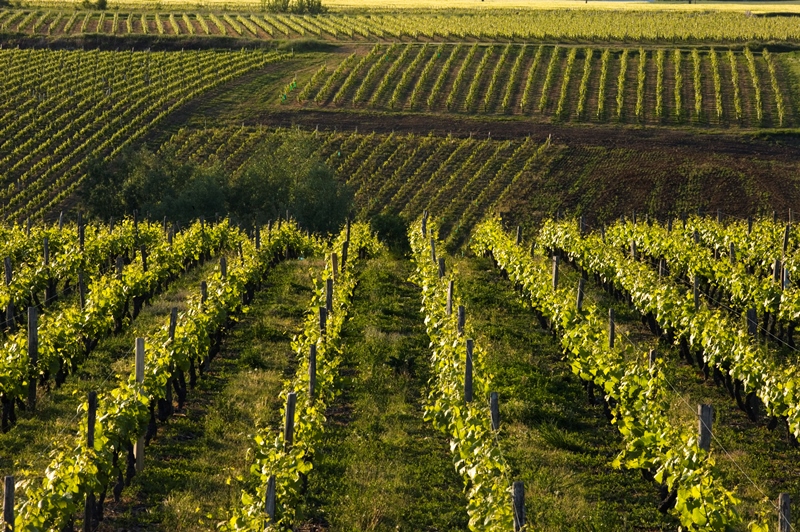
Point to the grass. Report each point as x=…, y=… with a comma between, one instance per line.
x=27, y=444
x=186, y=484
x=557, y=443
x=382, y=467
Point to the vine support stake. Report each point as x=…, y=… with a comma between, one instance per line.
x=705, y=415
x=81, y=290
x=257, y=238
x=91, y=415
x=732, y=254
x=579, y=304
x=329, y=295
x=468, y=372
x=786, y=239
x=494, y=406
x=335, y=265
x=347, y=228
x=462, y=318
x=81, y=233
x=10, y=307
x=203, y=292
x=433, y=250
x=46, y=251
x=519, y=235
x=138, y=450
x=270, y=506
x=33, y=354
x=518, y=492
x=323, y=319
x=555, y=273
x=441, y=267
x=8, y=503
x=223, y=267
x=652, y=357
x=611, y=329
x=288, y=428
x=312, y=372
x=784, y=513
x=119, y=267
x=449, y=307
x=752, y=324
x=696, y=291
x=424, y=223
x=634, y=256
x=749, y=224
x=345, y=247
x=143, y=253
x=776, y=270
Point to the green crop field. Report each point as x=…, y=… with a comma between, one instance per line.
x=366, y=266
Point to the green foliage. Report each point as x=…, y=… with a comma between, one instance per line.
x=284, y=175
x=392, y=230
x=299, y=7
x=270, y=457
x=640, y=405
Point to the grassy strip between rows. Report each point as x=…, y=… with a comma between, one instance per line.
x=272, y=490
x=636, y=393
x=79, y=471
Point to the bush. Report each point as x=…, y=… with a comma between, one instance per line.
x=285, y=174
x=392, y=230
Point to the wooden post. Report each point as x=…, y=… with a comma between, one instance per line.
x=785, y=280
x=312, y=372
x=662, y=268
x=732, y=254
x=81, y=233
x=91, y=415
x=581, y=225
x=633, y=250
x=696, y=290
x=784, y=513
x=120, y=264
x=652, y=358
x=10, y=307
x=555, y=273
x=8, y=503
x=270, y=506
x=171, y=235
x=138, y=450
x=143, y=253
x=28, y=227
x=329, y=296
x=752, y=324
x=749, y=224
x=449, y=307
x=519, y=235
x=61, y=220
x=468, y=372
x=705, y=413
x=776, y=270
x=579, y=304
x=518, y=491
x=288, y=429
x=494, y=406
x=462, y=318
x=774, y=217
x=719, y=216
x=786, y=239
x=433, y=250
x=203, y=292
x=345, y=247
x=81, y=290
x=669, y=224
x=347, y=228
x=257, y=237
x=611, y=329
x=111, y=225
x=335, y=265
x=223, y=267
x=323, y=319
x=46, y=251
x=441, y=267
x=683, y=219
x=33, y=354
